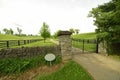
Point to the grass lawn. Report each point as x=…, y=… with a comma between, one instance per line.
x=13, y=37
x=70, y=71
x=39, y=43
x=91, y=47
x=85, y=36
x=87, y=46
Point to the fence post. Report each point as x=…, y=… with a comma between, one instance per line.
x=28, y=41
x=83, y=45
x=18, y=42
x=24, y=41
x=7, y=43
x=97, y=45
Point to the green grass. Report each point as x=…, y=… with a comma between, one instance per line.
x=35, y=44
x=8, y=37
x=85, y=36
x=13, y=37
x=71, y=71
x=91, y=47
x=87, y=46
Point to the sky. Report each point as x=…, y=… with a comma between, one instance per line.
x=29, y=15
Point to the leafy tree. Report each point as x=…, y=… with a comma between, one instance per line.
x=11, y=31
x=45, y=31
x=72, y=30
x=77, y=31
x=56, y=34
x=6, y=31
x=19, y=30
x=107, y=19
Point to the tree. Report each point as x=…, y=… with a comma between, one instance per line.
x=107, y=19
x=56, y=34
x=72, y=30
x=6, y=31
x=77, y=31
x=19, y=30
x=11, y=31
x=45, y=31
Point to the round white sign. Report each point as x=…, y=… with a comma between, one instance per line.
x=49, y=57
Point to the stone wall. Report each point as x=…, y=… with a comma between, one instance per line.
x=102, y=48
x=29, y=51
x=65, y=43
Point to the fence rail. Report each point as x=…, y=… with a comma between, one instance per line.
x=90, y=45
x=10, y=43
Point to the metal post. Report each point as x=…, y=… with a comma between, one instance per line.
x=83, y=45
x=18, y=43
x=97, y=46
x=7, y=44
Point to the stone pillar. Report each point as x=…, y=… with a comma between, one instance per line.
x=65, y=43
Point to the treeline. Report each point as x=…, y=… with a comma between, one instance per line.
x=11, y=32
x=72, y=30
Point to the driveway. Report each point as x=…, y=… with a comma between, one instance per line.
x=99, y=66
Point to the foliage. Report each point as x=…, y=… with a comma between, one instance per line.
x=17, y=65
x=77, y=31
x=71, y=71
x=107, y=20
x=72, y=30
x=8, y=31
x=56, y=34
x=45, y=31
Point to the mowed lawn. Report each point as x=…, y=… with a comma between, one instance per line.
x=34, y=44
x=70, y=71
x=85, y=36
x=39, y=43
x=13, y=37
x=87, y=46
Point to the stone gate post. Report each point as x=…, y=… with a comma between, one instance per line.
x=65, y=43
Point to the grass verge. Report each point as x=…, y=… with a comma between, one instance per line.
x=71, y=71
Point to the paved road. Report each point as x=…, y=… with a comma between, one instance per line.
x=100, y=67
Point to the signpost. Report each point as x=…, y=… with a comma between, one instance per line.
x=50, y=57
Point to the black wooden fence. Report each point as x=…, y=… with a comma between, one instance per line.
x=87, y=45
x=10, y=43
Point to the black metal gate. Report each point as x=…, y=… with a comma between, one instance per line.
x=86, y=45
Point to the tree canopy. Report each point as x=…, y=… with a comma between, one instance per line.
x=45, y=31
x=107, y=19
x=8, y=31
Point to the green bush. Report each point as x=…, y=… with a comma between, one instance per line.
x=17, y=65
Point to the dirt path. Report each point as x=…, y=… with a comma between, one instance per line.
x=100, y=67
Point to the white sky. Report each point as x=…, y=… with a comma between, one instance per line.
x=58, y=14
